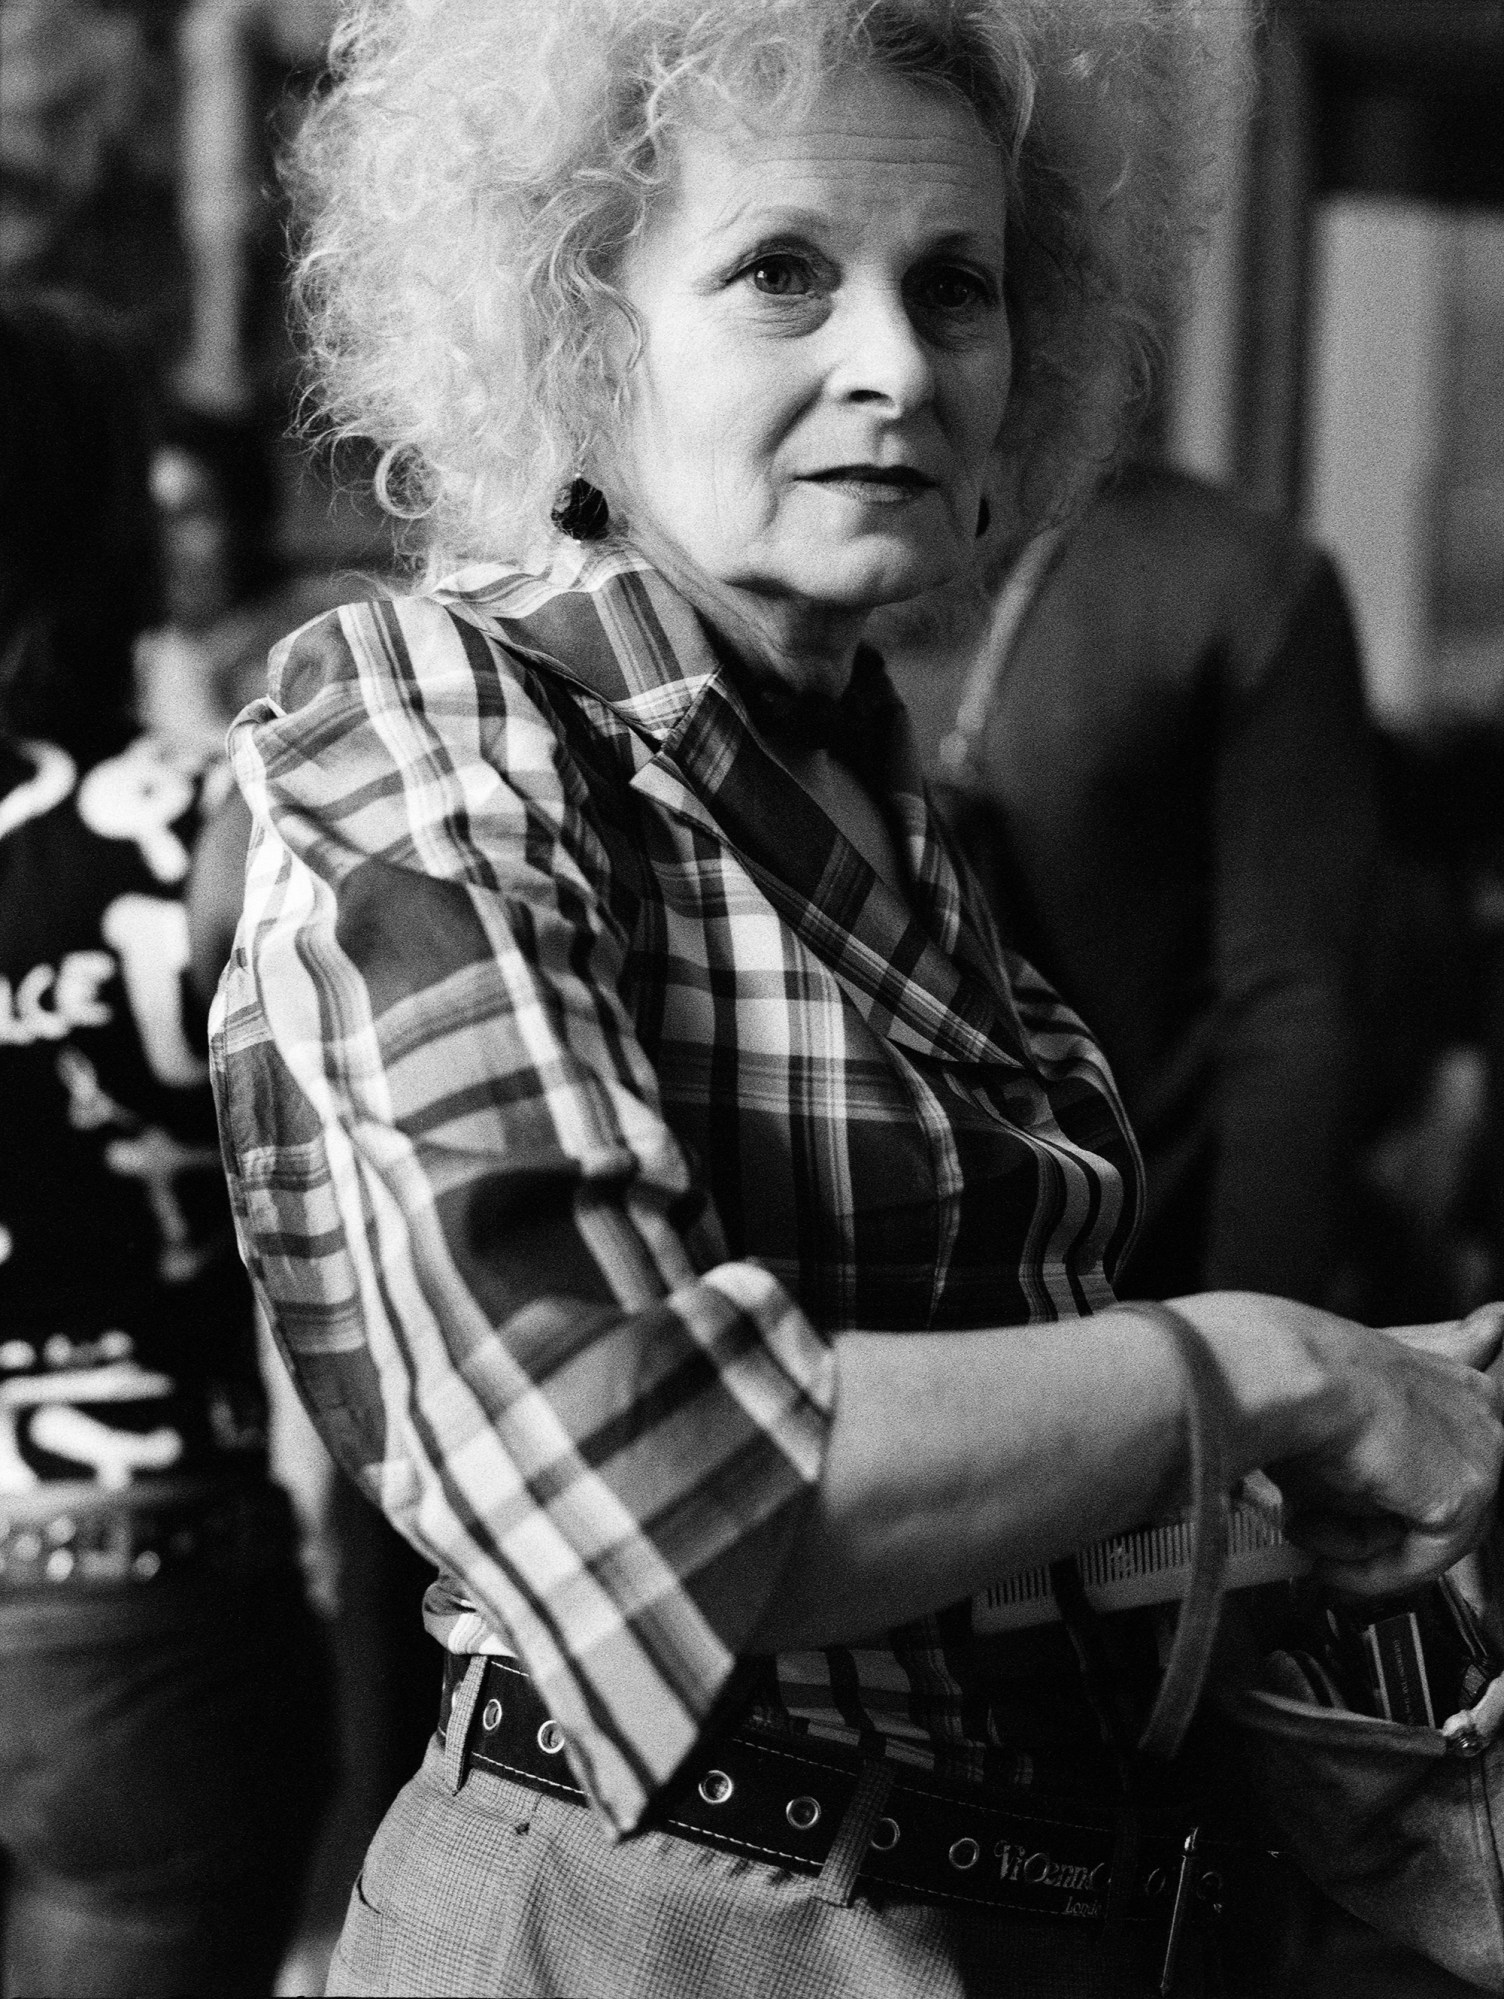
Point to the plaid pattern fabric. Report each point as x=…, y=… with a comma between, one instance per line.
x=578, y=1080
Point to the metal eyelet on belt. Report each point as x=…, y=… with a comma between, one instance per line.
x=802, y=1813
x=490, y=1716
x=550, y=1738
x=964, y=1855
x=884, y=1835
x=715, y=1787
x=1156, y=1881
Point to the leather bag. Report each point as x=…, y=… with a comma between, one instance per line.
x=1401, y=1826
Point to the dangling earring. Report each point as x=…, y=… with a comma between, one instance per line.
x=581, y=512
x=984, y=518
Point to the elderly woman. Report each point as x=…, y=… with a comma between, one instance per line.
x=683, y=1217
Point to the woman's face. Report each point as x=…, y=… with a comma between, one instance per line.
x=827, y=354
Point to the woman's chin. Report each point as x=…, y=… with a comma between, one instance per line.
x=872, y=578
x=859, y=572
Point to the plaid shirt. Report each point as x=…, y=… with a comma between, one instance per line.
x=578, y=1081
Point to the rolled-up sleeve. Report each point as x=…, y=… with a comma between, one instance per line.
x=492, y=1269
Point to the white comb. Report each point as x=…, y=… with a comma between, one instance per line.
x=1146, y=1565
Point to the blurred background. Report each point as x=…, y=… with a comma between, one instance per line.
x=1344, y=357
x=1340, y=360
x=1341, y=363
x=137, y=149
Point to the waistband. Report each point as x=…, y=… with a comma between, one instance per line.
x=786, y=1802
x=70, y=1537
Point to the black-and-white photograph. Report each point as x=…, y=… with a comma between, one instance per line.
x=751, y=999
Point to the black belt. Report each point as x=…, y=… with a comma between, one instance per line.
x=783, y=1802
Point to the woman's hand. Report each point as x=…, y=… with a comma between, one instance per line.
x=1396, y=1476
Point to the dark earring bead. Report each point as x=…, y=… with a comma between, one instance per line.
x=582, y=512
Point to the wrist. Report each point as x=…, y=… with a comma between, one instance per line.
x=1296, y=1376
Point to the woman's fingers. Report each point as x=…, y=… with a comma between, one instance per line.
x=1388, y=1573
x=1344, y=1540
x=1377, y=1555
x=1476, y=1341
x=1409, y=1487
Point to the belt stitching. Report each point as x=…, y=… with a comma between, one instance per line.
x=527, y=1776
x=1003, y=1811
x=790, y=1756
x=731, y=1840
x=572, y=1791
x=751, y=1845
x=725, y=1838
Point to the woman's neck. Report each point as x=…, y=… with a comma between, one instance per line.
x=810, y=647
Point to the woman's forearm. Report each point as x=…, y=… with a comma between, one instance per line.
x=957, y=1458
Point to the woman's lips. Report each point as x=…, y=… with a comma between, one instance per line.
x=877, y=485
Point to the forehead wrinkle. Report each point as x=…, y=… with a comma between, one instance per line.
x=944, y=178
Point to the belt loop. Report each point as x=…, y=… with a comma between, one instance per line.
x=837, y=1882
x=461, y=1714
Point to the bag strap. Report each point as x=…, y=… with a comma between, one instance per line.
x=958, y=751
x=1209, y=1422
x=1208, y=1406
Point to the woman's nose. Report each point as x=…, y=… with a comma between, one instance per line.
x=879, y=355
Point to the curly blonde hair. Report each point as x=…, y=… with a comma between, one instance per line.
x=467, y=184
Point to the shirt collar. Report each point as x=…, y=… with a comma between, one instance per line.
x=607, y=622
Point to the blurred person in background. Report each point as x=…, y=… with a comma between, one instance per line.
x=1151, y=736
x=88, y=158
x=216, y=494
x=1157, y=755
x=227, y=597
x=1430, y=1184
x=162, y=1708
x=227, y=593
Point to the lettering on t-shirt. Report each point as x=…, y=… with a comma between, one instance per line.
x=49, y=1003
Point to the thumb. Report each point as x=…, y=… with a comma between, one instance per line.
x=1476, y=1341
x=1484, y=1329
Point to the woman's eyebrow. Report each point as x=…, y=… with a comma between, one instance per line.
x=969, y=242
x=782, y=218
x=751, y=218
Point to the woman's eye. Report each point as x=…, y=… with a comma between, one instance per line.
x=954, y=290
x=781, y=276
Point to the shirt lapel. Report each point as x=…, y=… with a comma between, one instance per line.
x=922, y=978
